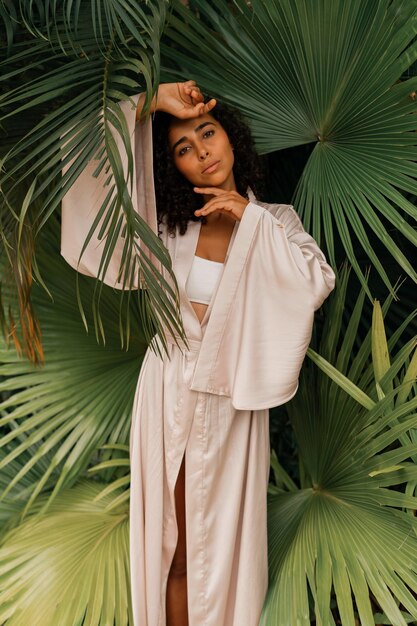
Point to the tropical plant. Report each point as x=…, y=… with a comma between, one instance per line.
x=65, y=70
x=341, y=527
x=344, y=526
x=56, y=416
x=70, y=566
x=60, y=424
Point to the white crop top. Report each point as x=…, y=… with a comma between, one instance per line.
x=202, y=279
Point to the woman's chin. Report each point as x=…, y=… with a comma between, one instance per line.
x=213, y=180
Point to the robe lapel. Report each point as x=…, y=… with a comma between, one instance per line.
x=223, y=300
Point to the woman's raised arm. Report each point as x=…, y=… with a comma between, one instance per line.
x=82, y=204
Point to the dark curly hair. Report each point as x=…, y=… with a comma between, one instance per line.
x=175, y=199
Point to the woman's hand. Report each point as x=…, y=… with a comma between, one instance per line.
x=182, y=100
x=229, y=202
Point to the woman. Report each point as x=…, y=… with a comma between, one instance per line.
x=250, y=279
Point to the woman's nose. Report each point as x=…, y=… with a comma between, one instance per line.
x=203, y=154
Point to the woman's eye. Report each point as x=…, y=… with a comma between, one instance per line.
x=209, y=133
x=183, y=150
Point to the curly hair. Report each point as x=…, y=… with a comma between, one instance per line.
x=175, y=199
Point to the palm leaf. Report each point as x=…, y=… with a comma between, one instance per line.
x=74, y=65
x=344, y=530
x=11, y=507
x=326, y=73
x=70, y=566
x=117, y=468
x=56, y=416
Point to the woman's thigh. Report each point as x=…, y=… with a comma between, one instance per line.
x=179, y=563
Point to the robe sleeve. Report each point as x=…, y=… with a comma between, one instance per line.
x=82, y=203
x=262, y=317
x=312, y=270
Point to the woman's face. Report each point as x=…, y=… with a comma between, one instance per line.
x=202, y=152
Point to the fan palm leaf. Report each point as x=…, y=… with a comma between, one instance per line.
x=343, y=529
x=328, y=74
x=12, y=505
x=70, y=566
x=117, y=471
x=56, y=416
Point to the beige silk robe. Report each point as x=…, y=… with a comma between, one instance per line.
x=210, y=401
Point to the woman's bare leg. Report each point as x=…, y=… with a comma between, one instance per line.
x=176, y=598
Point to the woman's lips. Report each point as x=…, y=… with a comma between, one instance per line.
x=211, y=168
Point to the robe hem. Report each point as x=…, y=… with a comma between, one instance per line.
x=277, y=401
x=77, y=266
x=270, y=405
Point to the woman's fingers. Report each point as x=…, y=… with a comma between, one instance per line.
x=194, y=89
x=217, y=203
x=191, y=88
x=191, y=111
x=224, y=201
x=210, y=105
x=202, y=107
x=236, y=210
x=197, y=109
x=194, y=93
x=214, y=191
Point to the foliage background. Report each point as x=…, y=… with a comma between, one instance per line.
x=329, y=91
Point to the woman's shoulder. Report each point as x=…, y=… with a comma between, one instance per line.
x=285, y=214
x=277, y=209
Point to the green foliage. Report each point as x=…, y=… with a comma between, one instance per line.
x=345, y=528
x=65, y=70
x=56, y=416
x=69, y=567
x=331, y=74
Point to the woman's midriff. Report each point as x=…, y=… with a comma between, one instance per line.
x=200, y=310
